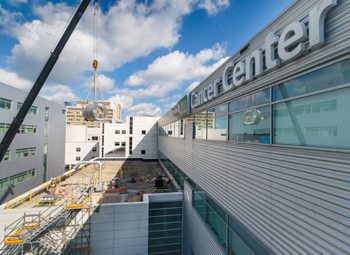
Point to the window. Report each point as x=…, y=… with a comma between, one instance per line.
x=182, y=128
x=217, y=123
x=4, y=127
x=200, y=125
x=317, y=120
x=5, y=103
x=123, y=143
x=78, y=149
x=32, y=110
x=123, y=132
x=77, y=158
x=27, y=152
x=117, y=144
x=251, y=125
x=7, y=156
x=94, y=138
x=47, y=111
x=17, y=178
x=248, y=121
x=27, y=129
x=143, y=132
x=143, y=152
x=324, y=78
x=313, y=121
x=117, y=132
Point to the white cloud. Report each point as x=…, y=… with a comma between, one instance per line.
x=58, y=93
x=144, y=109
x=128, y=30
x=17, y=2
x=8, y=20
x=170, y=71
x=12, y=79
x=192, y=86
x=124, y=101
x=103, y=83
x=213, y=6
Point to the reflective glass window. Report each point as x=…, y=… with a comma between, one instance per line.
x=200, y=122
x=5, y=103
x=258, y=98
x=251, y=125
x=324, y=78
x=321, y=120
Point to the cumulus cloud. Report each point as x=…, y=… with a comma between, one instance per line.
x=128, y=30
x=170, y=71
x=144, y=109
x=17, y=2
x=103, y=83
x=58, y=93
x=192, y=86
x=8, y=20
x=213, y=6
x=12, y=79
x=124, y=101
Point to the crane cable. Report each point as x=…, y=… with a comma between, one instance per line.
x=95, y=62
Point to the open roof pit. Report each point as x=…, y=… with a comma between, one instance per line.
x=135, y=178
x=123, y=181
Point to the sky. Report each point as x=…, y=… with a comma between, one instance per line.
x=150, y=52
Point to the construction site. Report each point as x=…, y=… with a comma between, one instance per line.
x=53, y=218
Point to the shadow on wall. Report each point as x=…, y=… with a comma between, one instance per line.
x=9, y=192
x=145, y=149
x=92, y=154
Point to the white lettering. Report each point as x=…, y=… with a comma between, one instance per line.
x=291, y=40
x=225, y=83
x=210, y=91
x=316, y=22
x=270, y=42
x=256, y=65
x=238, y=74
x=290, y=44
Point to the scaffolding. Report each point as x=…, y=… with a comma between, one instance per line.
x=59, y=229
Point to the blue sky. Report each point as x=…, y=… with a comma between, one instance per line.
x=151, y=52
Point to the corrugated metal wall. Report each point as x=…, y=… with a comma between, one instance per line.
x=295, y=200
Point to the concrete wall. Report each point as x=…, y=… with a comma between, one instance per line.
x=148, y=141
x=79, y=136
x=55, y=140
x=122, y=228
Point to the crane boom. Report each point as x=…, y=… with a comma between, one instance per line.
x=18, y=120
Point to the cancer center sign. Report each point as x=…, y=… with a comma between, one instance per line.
x=290, y=44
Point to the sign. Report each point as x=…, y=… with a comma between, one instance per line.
x=290, y=44
x=182, y=109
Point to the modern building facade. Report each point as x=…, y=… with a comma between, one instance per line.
x=37, y=152
x=268, y=171
x=135, y=138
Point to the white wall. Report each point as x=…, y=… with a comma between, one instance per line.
x=148, y=141
x=122, y=228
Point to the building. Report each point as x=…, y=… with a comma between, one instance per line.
x=117, y=112
x=74, y=113
x=271, y=174
x=37, y=152
x=135, y=138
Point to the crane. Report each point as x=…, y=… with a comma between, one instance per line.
x=50, y=63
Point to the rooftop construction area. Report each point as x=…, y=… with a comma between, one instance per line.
x=47, y=218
